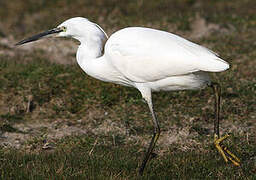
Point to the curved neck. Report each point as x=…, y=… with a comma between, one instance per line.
x=92, y=43
x=88, y=51
x=90, y=57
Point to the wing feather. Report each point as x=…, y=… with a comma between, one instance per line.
x=144, y=54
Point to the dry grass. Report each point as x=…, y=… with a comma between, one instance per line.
x=46, y=101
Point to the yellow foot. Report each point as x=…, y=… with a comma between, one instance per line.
x=226, y=154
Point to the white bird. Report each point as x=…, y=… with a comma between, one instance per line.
x=147, y=59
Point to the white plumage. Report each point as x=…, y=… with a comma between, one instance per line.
x=144, y=54
x=142, y=57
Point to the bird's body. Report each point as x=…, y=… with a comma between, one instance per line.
x=154, y=59
x=143, y=58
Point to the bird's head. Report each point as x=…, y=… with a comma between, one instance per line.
x=79, y=28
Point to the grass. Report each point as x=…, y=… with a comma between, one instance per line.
x=99, y=130
x=80, y=157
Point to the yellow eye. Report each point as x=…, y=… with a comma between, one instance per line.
x=64, y=28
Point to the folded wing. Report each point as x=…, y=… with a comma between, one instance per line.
x=144, y=54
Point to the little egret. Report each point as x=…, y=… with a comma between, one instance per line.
x=147, y=59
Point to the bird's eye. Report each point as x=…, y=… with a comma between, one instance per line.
x=64, y=28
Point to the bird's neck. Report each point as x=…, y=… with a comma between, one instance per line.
x=90, y=58
x=92, y=44
x=89, y=51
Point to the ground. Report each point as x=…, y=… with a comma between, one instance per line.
x=55, y=121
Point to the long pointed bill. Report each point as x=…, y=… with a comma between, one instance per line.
x=39, y=36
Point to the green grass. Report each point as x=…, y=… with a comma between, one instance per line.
x=117, y=124
x=79, y=157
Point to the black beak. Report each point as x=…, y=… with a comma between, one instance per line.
x=39, y=36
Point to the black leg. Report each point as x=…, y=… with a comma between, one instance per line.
x=226, y=154
x=217, y=92
x=153, y=140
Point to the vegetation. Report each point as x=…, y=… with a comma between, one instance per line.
x=57, y=122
